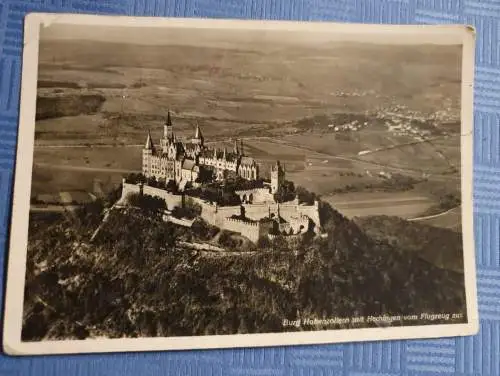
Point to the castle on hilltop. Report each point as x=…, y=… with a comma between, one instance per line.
x=190, y=161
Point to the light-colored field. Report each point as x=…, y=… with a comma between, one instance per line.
x=54, y=179
x=401, y=204
x=59, y=169
x=112, y=158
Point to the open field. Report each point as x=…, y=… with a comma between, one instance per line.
x=249, y=89
x=51, y=180
x=59, y=169
x=119, y=157
x=337, y=133
x=401, y=204
x=451, y=219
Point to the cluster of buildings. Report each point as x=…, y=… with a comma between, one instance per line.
x=192, y=163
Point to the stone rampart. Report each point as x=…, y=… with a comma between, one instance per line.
x=128, y=189
x=249, y=229
x=227, y=211
x=219, y=216
x=208, y=210
x=256, y=211
x=288, y=211
x=291, y=211
x=171, y=199
x=256, y=195
x=312, y=211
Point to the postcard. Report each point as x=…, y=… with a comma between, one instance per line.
x=196, y=183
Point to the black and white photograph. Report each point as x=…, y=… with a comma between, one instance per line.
x=203, y=180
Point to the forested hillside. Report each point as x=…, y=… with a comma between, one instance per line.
x=440, y=246
x=137, y=279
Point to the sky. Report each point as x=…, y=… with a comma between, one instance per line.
x=200, y=35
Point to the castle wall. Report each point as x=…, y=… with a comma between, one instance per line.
x=257, y=195
x=312, y=211
x=208, y=211
x=128, y=189
x=256, y=211
x=228, y=211
x=289, y=211
x=171, y=200
x=297, y=215
x=249, y=229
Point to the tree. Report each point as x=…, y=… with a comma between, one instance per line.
x=133, y=178
x=152, y=182
x=305, y=196
x=150, y=204
x=114, y=195
x=90, y=215
x=286, y=192
x=229, y=198
x=171, y=186
x=189, y=210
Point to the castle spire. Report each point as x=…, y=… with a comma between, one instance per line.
x=197, y=134
x=149, y=142
x=241, y=147
x=236, y=151
x=168, y=129
x=198, y=137
x=169, y=119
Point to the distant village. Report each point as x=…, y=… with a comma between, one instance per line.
x=177, y=171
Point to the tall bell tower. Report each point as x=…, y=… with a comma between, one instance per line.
x=277, y=177
x=168, y=134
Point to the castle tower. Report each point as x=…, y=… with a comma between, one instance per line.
x=236, y=151
x=147, y=154
x=198, y=137
x=168, y=129
x=168, y=134
x=277, y=177
x=241, y=148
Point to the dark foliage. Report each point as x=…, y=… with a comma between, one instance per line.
x=68, y=105
x=190, y=210
x=237, y=183
x=305, y=196
x=149, y=204
x=113, y=196
x=135, y=178
x=286, y=192
x=215, y=193
x=90, y=215
x=395, y=183
x=439, y=246
x=206, y=175
x=446, y=202
x=136, y=280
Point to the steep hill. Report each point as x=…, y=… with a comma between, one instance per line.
x=440, y=246
x=142, y=282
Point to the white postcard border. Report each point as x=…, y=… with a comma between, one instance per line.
x=445, y=34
